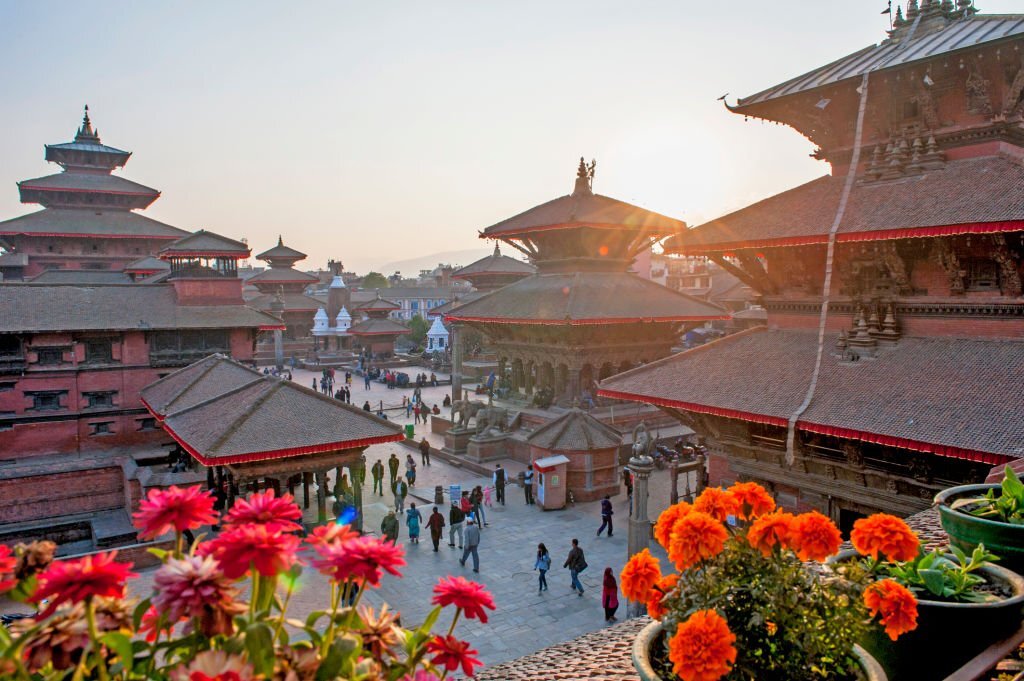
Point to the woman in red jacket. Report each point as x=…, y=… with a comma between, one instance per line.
x=610, y=595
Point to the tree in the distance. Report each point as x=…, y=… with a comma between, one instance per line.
x=375, y=280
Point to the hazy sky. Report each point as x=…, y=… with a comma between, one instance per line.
x=380, y=130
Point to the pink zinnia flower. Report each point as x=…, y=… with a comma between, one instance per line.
x=252, y=546
x=363, y=559
x=213, y=665
x=469, y=597
x=264, y=508
x=8, y=564
x=332, y=533
x=180, y=509
x=77, y=580
x=196, y=587
x=451, y=653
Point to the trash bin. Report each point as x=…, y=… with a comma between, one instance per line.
x=438, y=495
x=410, y=431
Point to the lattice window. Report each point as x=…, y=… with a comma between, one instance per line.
x=50, y=356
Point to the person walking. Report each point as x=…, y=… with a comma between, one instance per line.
x=476, y=500
x=366, y=381
x=576, y=564
x=315, y=389
x=471, y=544
x=627, y=479
x=528, y=485
x=499, y=482
x=378, y=477
x=393, y=469
x=410, y=475
x=606, y=516
x=436, y=526
x=456, y=519
x=401, y=490
x=609, y=595
x=413, y=518
x=416, y=413
x=543, y=563
x=425, y=451
x=389, y=527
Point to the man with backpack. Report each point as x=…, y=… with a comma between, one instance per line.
x=576, y=564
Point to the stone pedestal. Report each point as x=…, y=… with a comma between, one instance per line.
x=639, y=524
x=487, y=448
x=456, y=441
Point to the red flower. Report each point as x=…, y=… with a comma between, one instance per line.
x=180, y=509
x=887, y=535
x=702, y=648
x=264, y=508
x=150, y=625
x=895, y=605
x=754, y=499
x=469, y=597
x=363, y=559
x=252, y=546
x=77, y=580
x=814, y=536
x=8, y=564
x=332, y=533
x=451, y=653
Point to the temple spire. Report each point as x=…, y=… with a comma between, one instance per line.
x=86, y=131
x=280, y=241
x=497, y=252
x=584, y=178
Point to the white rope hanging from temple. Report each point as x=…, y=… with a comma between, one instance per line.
x=826, y=290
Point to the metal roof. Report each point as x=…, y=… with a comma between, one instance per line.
x=94, y=148
x=916, y=46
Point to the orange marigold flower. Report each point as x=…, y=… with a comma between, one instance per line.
x=895, y=605
x=642, y=571
x=655, y=608
x=886, y=535
x=702, y=648
x=754, y=500
x=717, y=503
x=815, y=537
x=668, y=518
x=771, y=530
x=696, y=536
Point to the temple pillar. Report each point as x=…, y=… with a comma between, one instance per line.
x=306, y=479
x=639, y=524
x=455, y=340
x=574, y=383
x=358, y=473
x=321, y=496
x=528, y=368
x=278, y=350
x=517, y=375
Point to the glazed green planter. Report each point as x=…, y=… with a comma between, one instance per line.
x=650, y=634
x=948, y=635
x=967, y=531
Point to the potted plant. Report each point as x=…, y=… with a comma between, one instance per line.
x=743, y=604
x=964, y=602
x=991, y=514
x=195, y=625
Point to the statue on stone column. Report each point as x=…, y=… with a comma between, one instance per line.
x=643, y=445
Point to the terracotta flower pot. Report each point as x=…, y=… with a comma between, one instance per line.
x=967, y=531
x=651, y=634
x=947, y=634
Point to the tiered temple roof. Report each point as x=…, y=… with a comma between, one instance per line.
x=222, y=412
x=494, y=270
x=575, y=431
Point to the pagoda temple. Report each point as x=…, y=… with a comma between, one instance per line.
x=893, y=357
x=486, y=274
x=376, y=333
x=582, y=316
x=89, y=218
x=288, y=284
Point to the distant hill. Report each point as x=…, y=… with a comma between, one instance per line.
x=412, y=266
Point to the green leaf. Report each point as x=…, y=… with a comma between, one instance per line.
x=24, y=591
x=259, y=643
x=139, y=611
x=314, y=616
x=339, y=651
x=122, y=645
x=159, y=553
x=934, y=581
x=960, y=555
x=428, y=624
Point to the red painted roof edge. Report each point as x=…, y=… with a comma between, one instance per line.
x=699, y=408
x=73, y=190
x=94, y=236
x=271, y=327
x=870, y=235
x=204, y=254
x=583, y=322
x=990, y=458
x=573, y=225
x=835, y=431
x=276, y=453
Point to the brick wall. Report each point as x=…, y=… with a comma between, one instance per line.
x=48, y=496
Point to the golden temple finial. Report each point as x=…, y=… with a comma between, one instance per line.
x=585, y=177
